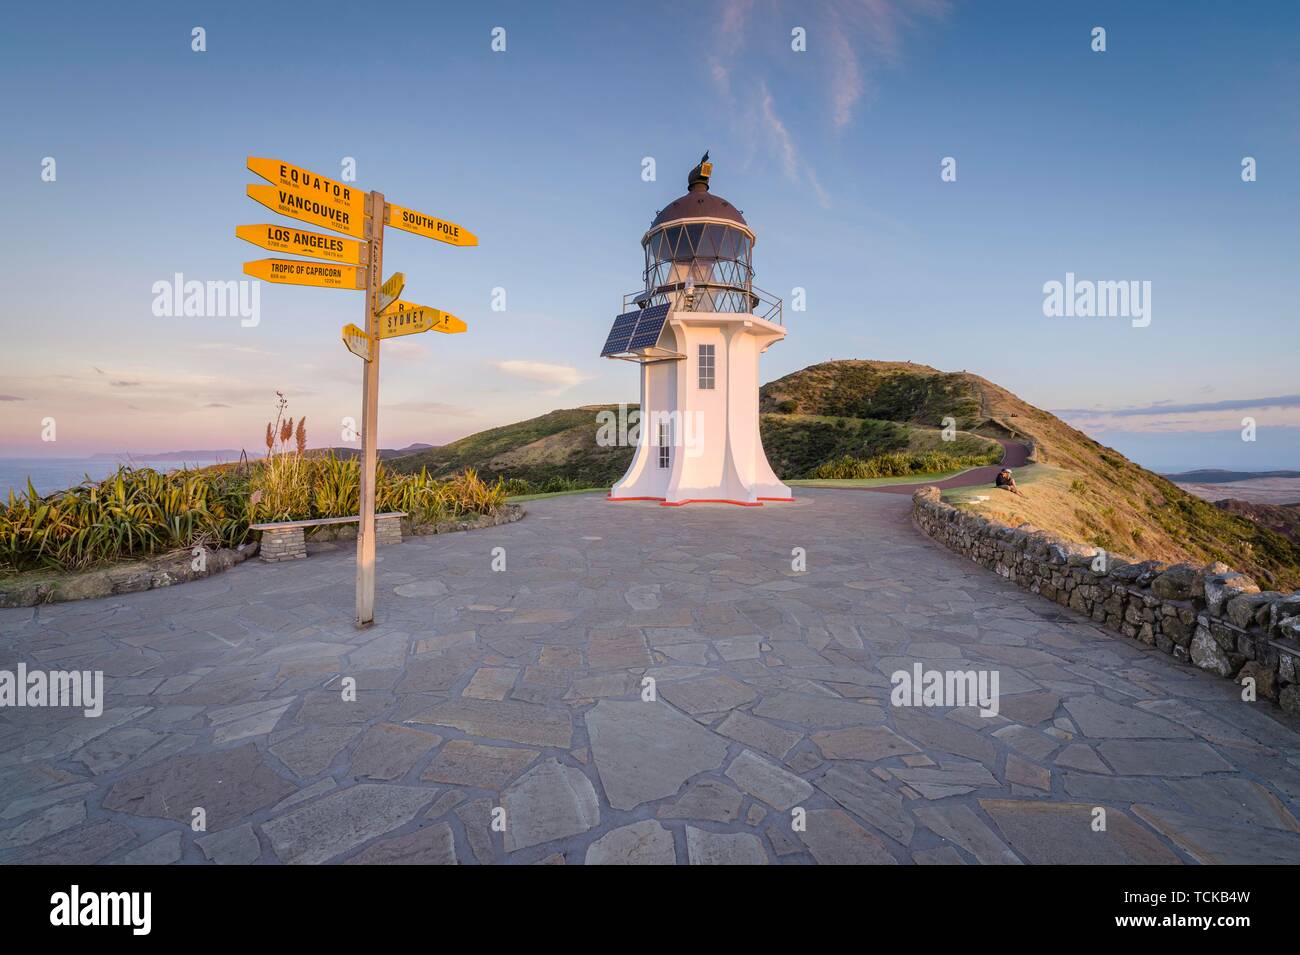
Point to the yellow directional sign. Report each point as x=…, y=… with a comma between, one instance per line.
x=357, y=340
x=297, y=205
x=407, y=318
x=295, y=241
x=295, y=272
x=337, y=195
x=349, y=264
x=392, y=288
x=408, y=220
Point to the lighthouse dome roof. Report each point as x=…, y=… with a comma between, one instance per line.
x=699, y=204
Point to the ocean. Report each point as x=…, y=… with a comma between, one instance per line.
x=55, y=474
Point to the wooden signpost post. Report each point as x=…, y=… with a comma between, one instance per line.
x=309, y=197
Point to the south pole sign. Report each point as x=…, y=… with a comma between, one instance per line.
x=355, y=264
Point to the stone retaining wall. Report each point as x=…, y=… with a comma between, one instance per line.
x=25, y=591
x=1213, y=616
x=128, y=578
x=506, y=514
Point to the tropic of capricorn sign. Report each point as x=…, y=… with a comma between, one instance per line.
x=357, y=264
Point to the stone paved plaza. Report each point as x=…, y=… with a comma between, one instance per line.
x=517, y=696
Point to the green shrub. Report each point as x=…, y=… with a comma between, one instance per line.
x=901, y=464
x=132, y=513
x=555, y=484
x=138, y=512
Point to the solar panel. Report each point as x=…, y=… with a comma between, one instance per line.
x=648, y=327
x=620, y=334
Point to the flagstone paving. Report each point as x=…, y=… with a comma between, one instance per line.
x=483, y=699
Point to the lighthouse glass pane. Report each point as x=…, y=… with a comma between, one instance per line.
x=693, y=232
x=708, y=247
x=668, y=239
x=683, y=251
x=727, y=243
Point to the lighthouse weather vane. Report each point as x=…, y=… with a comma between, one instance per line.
x=697, y=330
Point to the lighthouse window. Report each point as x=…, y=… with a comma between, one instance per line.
x=665, y=444
x=728, y=243
x=706, y=367
x=707, y=247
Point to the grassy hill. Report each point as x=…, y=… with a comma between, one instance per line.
x=1080, y=489
x=557, y=444
x=563, y=444
x=1083, y=490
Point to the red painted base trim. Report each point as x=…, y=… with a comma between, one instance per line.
x=663, y=502
x=709, y=500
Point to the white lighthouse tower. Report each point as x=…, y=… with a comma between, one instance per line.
x=697, y=330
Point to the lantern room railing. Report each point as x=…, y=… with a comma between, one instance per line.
x=684, y=298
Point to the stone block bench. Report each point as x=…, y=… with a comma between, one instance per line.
x=284, y=540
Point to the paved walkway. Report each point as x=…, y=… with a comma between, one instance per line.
x=515, y=697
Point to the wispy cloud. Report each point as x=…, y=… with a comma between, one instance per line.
x=434, y=407
x=405, y=350
x=867, y=36
x=1197, y=416
x=558, y=377
x=846, y=75
x=227, y=347
x=11, y=398
x=795, y=170
x=1167, y=408
x=852, y=39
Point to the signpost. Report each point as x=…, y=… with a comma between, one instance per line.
x=391, y=289
x=303, y=182
x=357, y=341
x=407, y=318
x=295, y=241
x=295, y=205
x=408, y=220
x=301, y=194
x=296, y=272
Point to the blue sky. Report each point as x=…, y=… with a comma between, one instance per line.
x=1122, y=165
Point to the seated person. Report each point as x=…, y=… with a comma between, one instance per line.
x=1005, y=481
